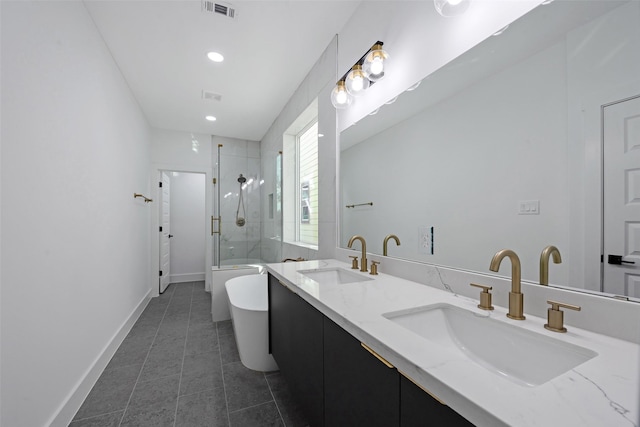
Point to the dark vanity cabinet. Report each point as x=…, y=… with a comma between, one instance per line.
x=359, y=389
x=419, y=409
x=295, y=341
x=335, y=379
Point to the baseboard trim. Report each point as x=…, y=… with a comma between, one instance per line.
x=186, y=277
x=77, y=396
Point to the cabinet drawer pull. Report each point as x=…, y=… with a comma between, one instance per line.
x=376, y=355
x=422, y=388
x=286, y=287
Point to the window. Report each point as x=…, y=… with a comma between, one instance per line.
x=300, y=202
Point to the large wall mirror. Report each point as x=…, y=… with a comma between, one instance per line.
x=514, y=144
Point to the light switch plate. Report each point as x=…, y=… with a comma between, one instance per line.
x=425, y=240
x=529, y=207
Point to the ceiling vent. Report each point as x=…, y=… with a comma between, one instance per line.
x=211, y=96
x=219, y=8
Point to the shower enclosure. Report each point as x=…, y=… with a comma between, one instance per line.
x=236, y=221
x=247, y=215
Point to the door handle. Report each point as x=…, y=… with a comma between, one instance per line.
x=219, y=219
x=617, y=260
x=170, y=235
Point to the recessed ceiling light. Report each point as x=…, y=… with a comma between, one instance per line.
x=215, y=56
x=211, y=118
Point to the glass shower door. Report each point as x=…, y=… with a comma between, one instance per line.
x=237, y=204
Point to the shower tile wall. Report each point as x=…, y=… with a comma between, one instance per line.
x=239, y=157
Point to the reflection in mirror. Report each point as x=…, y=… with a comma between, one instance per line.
x=502, y=147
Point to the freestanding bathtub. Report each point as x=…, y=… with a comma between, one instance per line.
x=249, y=307
x=219, y=277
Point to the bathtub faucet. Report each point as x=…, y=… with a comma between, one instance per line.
x=294, y=259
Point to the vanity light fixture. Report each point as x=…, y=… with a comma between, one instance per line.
x=366, y=71
x=375, y=62
x=211, y=118
x=340, y=98
x=449, y=8
x=356, y=82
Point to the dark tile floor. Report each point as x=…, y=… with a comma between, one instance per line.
x=178, y=368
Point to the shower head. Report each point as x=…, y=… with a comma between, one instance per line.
x=242, y=179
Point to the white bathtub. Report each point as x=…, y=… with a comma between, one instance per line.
x=249, y=307
x=219, y=276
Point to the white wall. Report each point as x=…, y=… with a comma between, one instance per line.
x=188, y=223
x=75, y=243
x=174, y=149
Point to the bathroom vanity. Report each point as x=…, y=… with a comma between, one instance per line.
x=358, y=349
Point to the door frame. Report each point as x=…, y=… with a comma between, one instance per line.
x=602, y=118
x=165, y=233
x=590, y=243
x=155, y=177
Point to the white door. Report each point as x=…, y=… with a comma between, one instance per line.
x=621, y=175
x=165, y=236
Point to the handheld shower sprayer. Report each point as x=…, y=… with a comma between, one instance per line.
x=240, y=221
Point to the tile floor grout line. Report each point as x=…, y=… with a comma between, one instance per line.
x=184, y=351
x=94, y=416
x=224, y=385
x=145, y=359
x=274, y=399
x=252, y=406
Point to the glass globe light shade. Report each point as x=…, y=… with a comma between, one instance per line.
x=375, y=63
x=449, y=8
x=356, y=81
x=340, y=98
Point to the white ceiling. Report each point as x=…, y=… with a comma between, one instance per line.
x=269, y=47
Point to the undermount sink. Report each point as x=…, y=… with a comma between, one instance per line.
x=522, y=356
x=335, y=275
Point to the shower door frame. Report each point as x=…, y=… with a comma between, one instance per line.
x=215, y=215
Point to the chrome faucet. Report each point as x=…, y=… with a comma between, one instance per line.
x=386, y=241
x=516, y=299
x=544, y=262
x=363, y=262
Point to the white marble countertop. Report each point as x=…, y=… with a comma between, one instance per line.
x=604, y=391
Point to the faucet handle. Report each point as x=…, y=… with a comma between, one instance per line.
x=485, y=296
x=354, y=262
x=374, y=268
x=555, y=316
